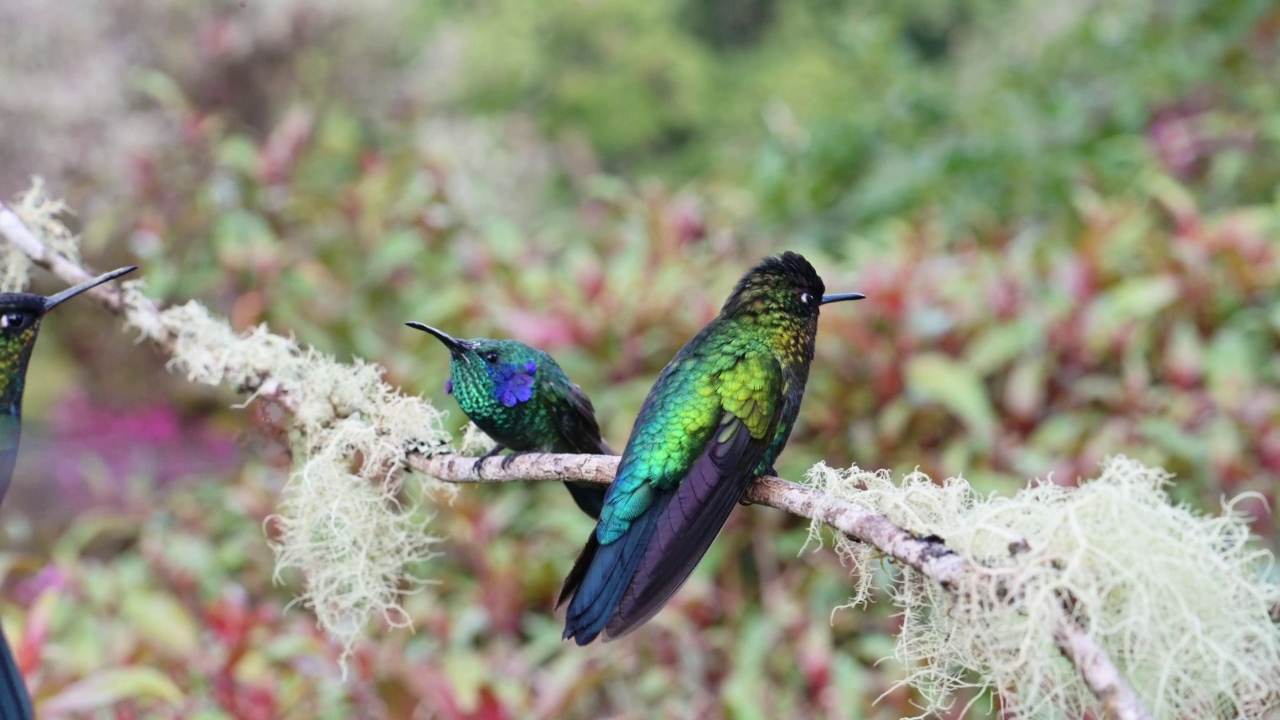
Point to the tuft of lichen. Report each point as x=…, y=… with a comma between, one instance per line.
x=1179, y=599
x=343, y=518
x=41, y=214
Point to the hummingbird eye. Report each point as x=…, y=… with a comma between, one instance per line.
x=15, y=321
x=806, y=298
x=490, y=357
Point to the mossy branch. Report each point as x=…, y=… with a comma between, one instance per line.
x=928, y=556
x=365, y=418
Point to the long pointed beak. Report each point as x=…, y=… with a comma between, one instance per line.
x=839, y=297
x=456, y=347
x=55, y=300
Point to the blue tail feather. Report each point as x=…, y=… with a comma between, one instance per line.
x=602, y=584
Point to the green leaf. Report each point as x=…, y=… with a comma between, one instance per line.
x=106, y=688
x=1131, y=300
x=1230, y=366
x=1025, y=389
x=1000, y=344
x=1171, y=437
x=398, y=249
x=242, y=237
x=932, y=377
x=163, y=621
x=240, y=153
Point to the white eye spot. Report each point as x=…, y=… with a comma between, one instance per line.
x=13, y=321
x=806, y=298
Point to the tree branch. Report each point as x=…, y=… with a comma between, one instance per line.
x=928, y=556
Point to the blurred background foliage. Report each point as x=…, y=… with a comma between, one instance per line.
x=1064, y=216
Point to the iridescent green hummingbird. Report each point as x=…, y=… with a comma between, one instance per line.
x=20, y=316
x=719, y=415
x=521, y=398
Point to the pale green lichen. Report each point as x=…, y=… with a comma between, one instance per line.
x=345, y=519
x=351, y=532
x=42, y=215
x=1179, y=599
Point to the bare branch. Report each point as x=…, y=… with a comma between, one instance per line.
x=929, y=556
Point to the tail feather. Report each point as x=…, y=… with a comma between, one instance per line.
x=15, y=702
x=579, y=571
x=607, y=573
x=687, y=525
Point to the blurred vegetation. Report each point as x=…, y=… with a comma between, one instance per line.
x=1064, y=216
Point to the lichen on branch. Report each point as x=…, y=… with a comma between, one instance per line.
x=1179, y=599
x=353, y=534
x=1014, y=586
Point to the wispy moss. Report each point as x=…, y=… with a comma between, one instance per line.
x=1179, y=599
x=43, y=215
x=343, y=519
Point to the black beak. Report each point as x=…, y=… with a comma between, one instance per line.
x=55, y=300
x=839, y=297
x=457, y=347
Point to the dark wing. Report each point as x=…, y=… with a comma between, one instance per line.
x=577, y=432
x=15, y=703
x=601, y=574
x=579, y=570
x=574, y=415
x=659, y=519
x=687, y=523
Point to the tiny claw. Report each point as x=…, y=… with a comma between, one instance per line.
x=479, y=466
x=506, y=461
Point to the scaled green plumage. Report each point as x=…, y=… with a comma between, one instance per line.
x=519, y=396
x=718, y=415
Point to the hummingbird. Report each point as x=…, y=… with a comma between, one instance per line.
x=20, y=316
x=718, y=416
x=520, y=397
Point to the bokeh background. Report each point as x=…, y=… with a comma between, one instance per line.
x=1065, y=216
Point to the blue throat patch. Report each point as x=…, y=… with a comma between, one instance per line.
x=512, y=382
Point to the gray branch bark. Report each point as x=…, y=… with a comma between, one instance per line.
x=930, y=557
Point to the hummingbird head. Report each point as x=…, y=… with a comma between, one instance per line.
x=20, y=316
x=782, y=287
x=486, y=374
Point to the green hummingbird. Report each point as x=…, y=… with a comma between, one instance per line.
x=521, y=398
x=20, y=316
x=718, y=416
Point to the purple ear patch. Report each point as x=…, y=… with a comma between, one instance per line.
x=448, y=386
x=513, y=384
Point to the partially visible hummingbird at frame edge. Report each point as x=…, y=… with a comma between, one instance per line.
x=718, y=416
x=20, y=316
x=520, y=397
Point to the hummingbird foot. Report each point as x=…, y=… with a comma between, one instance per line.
x=770, y=471
x=506, y=461
x=479, y=466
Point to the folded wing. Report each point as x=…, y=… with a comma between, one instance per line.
x=686, y=525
